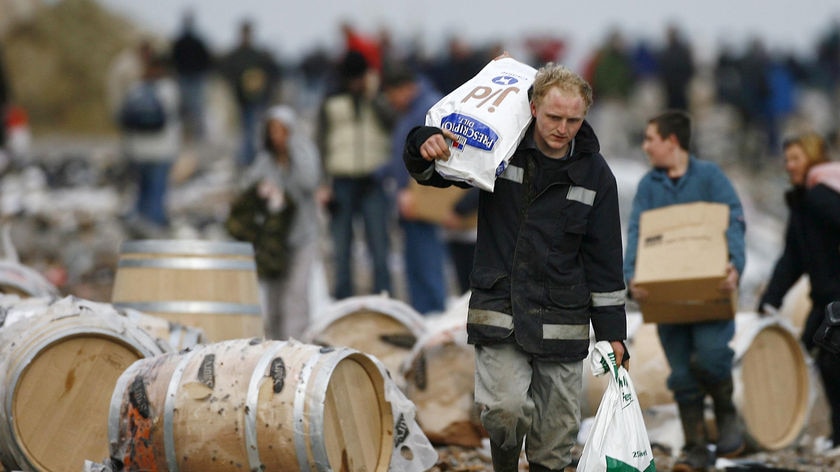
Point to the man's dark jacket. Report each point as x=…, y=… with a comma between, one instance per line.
x=548, y=257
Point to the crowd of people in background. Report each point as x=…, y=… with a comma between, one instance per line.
x=374, y=87
x=320, y=146
x=353, y=102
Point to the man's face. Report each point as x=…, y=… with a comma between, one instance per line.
x=659, y=150
x=558, y=118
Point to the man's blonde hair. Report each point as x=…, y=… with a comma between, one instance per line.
x=556, y=75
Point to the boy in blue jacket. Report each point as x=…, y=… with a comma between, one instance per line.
x=698, y=353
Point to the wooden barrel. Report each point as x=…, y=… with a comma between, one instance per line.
x=252, y=405
x=796, y=304
x=19, y=279
x=16, y=307
x=210, y=285
x=57, y=371
x=377, y=325
x=772, y=383
x=770, y=373
x=177, y=335
x=440, y=380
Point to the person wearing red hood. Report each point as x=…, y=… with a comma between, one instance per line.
x=812, y=247
x=367, y=47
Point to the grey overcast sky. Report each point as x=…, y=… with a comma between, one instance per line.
x=291, y=27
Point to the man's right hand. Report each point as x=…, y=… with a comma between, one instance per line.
x=437, y=146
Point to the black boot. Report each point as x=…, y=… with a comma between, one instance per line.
x=730, y=436
x=539, y=468
x=504, y=460
x=695, y=455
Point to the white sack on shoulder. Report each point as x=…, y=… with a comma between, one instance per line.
x=490, y=114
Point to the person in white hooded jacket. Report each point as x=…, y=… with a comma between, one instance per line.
x=287, y=171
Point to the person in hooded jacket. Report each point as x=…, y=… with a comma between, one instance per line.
x=285, y=176
x=548, y=262
x=812, y=248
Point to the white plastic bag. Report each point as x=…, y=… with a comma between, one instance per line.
x=618, y=440
x=412, y=452
x=490, y=114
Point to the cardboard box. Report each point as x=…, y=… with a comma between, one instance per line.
x=433, y=204
x=681, y=261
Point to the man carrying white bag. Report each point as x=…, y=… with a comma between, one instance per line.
x=547, y=268
x=490, y=114
x=618, y=440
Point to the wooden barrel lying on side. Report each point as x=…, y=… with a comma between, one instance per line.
x=13, y=308
x=58, y=368
x=252, y=405
x=770, y=373
x=440, y=380
x=772, y=383
x=378, y=325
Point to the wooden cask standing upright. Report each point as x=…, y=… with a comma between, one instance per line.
x=253, y=405
x=210, y=285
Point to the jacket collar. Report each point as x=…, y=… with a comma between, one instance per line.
x=662, y=174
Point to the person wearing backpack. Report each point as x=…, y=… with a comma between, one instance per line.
x=151, y=140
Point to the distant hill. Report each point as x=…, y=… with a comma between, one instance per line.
x=58, y=55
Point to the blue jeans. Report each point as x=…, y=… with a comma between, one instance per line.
x=697, y=348
x=153, y=178
x=192, y=103
x=424, y=253
x=366, y=197
x=250, y=116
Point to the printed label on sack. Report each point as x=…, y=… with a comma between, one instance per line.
x=492, y=97
x=489, y=114
x=474, y=132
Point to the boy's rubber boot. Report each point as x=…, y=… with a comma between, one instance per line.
x=730, y=440
x=695, y=456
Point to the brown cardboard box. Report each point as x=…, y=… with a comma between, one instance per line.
x=433, y=204
x=681, y=261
